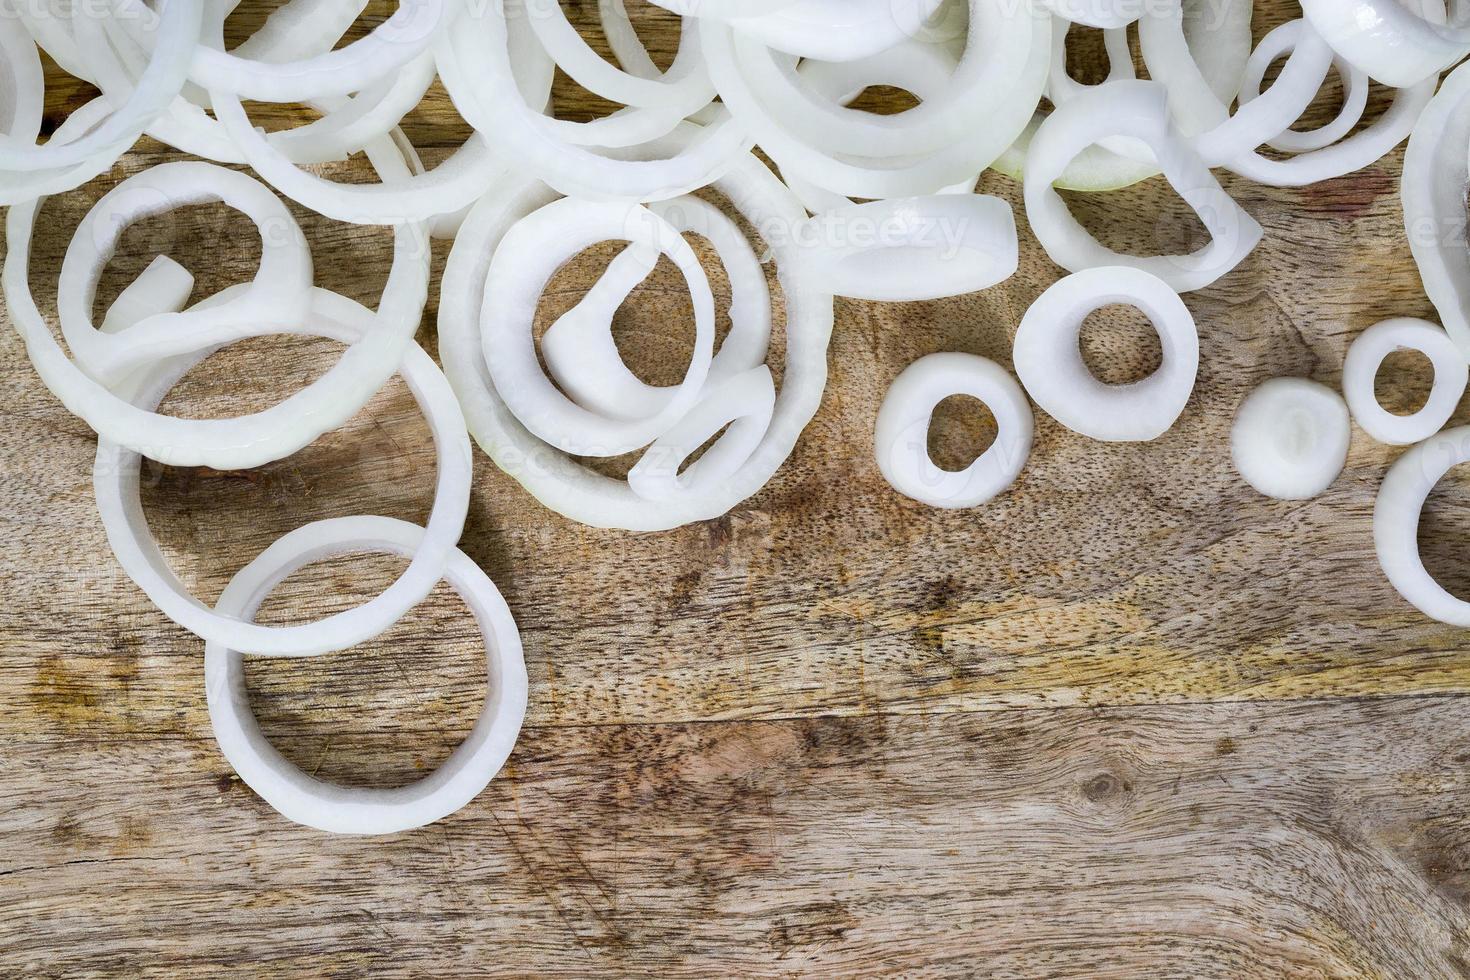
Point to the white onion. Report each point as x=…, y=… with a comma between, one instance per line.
x=350, y=810
x=1050, y=365
x=1290, y=438
x=1360, y=369
x=902, y=435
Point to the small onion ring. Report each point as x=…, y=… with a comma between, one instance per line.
x=1360, y=368
x=902, y=434
x=526, y=259
x=579, y=349
x=1283, y=40
x=1050, y=365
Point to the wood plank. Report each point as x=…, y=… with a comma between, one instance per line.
x=1222, y=840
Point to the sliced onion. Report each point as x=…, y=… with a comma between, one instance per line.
x=745, y=403
x=1436, y=173
x=1135, y=109
x=327, y=806
x=1396, y=517
x=994, y=90
x=237, y=443
x=477, y=64
x=116, y=472
x=1392, y=43
x=1049, y=359
x=902, y=435
x=911, y=248
x=175, y=32
x=278, y=298
x=1290, y=438
x=1360, y=369
x=561, y=483
x=411, y=30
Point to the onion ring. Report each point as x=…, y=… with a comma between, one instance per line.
x=559, y=482
x=237, y=443
x=307, y=800
x=529, y=254
x=116, y=471
x=1050, y=366
x=1396, y=517
x=994, y=90
x=1137, y=109
x=1360, y=368
x=1433, y=193
x=1390, y=42
x=901, y=438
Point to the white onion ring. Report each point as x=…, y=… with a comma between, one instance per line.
x=744, y=402
x=237, y=443
x=1283, y=40
x=412, y=29
x=278, y=297
x=1050, y=365
x=1360, y=368
x=1136, y=109
x=1326, y=161
x=579, y=349
x=115, y=480
x=1396, y=517
x=838, y=30
x=557, y=481
x=992, y=95
x=902, y=434
x=528, y=255
x=923, y=70
x=1393, y=44
x=176, y=30
x=906, y=249
x=350, y=810
x=1433, y=193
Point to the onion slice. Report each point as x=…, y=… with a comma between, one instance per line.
x=337, y=809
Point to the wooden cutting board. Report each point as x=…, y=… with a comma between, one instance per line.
x=1129, y=719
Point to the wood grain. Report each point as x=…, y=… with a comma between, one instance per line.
x=1302, y=840
x=1115, y=723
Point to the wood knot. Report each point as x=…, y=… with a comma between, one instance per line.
x=1104, y=786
